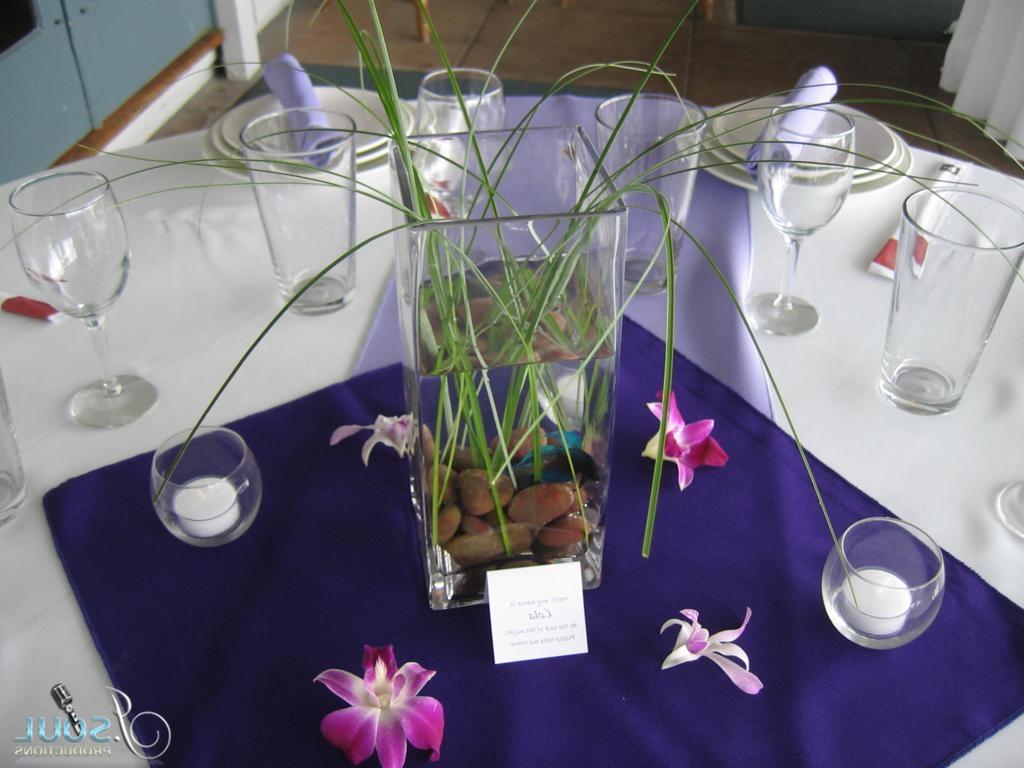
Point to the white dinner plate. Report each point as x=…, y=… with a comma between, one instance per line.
x=901, y=166
x=739, y=124
x=720, y=163
x=222, y=148
x=372, y=157
x=215, y=148
x=364, y=107
x=226, y=163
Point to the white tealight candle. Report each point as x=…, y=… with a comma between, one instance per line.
x=571, y=393
x=206, y=506
x=883, y=600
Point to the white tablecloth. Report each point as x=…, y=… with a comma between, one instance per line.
x=201, y=287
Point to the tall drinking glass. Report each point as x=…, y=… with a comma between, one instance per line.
x=12, y=474
x=658, y=145
x=302, y=165
x=959, y=254
x=437, y=105
x=803, y=176
x=72, y=243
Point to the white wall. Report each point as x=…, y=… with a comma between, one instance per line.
x=241, y=21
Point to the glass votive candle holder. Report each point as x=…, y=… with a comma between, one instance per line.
x=892, y=584
x=213, y=493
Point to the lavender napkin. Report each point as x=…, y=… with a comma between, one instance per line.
x=224, y=643
x=292, y=86
x=815, y=86
x=289, y=82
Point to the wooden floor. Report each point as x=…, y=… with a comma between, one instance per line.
x=714, y=62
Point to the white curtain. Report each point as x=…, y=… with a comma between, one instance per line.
x=984, y=66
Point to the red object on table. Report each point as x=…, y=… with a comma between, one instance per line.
x=22, y=305
x=884, y=263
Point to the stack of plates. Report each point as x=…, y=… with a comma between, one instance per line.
x=364, y=107
x=882, y=156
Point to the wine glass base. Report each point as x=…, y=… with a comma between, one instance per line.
x=644, y=277
x=781, y=318
x=328, y=294
x=93, y=407
x=1010, y=507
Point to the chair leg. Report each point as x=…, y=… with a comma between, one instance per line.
x=422, y=28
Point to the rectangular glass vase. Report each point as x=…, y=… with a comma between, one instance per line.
x=509, y=289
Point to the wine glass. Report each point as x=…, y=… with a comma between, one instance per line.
x=803, y=176
x=73, y=246
x=442, y=161
x=437, y=105
x=658, y=143
x=1010, y=507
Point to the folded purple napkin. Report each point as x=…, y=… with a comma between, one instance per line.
x=224, y=643
x=815, y=86
x=292, y=86
x=289, y=82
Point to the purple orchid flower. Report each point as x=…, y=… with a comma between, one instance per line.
x=393, y=431
x=694, y=642
x=385, y=711
x=688, y=445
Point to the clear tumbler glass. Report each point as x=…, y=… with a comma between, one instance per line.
x=12, y=474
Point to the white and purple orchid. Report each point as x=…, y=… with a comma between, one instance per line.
x=393, y=431
x=694, y=642
x=386, y=710
x=688, y=445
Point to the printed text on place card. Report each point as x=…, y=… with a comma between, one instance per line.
x=537, y=612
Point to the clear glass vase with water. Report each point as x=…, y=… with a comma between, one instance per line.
x=509, y=300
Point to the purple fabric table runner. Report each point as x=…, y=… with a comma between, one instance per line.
x=225, y=642
x=708, y=329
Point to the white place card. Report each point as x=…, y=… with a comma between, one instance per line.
x=537, y=612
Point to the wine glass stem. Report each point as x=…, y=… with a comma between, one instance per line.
x=784, y=299
x=111, y=387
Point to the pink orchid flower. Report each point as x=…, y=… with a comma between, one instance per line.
x=393, y=431
x=385, y=710
x=694, y=642
x=688, y=445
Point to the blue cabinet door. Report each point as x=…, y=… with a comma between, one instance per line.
x=82, y=61
x=122, y=44
x=44, y=104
